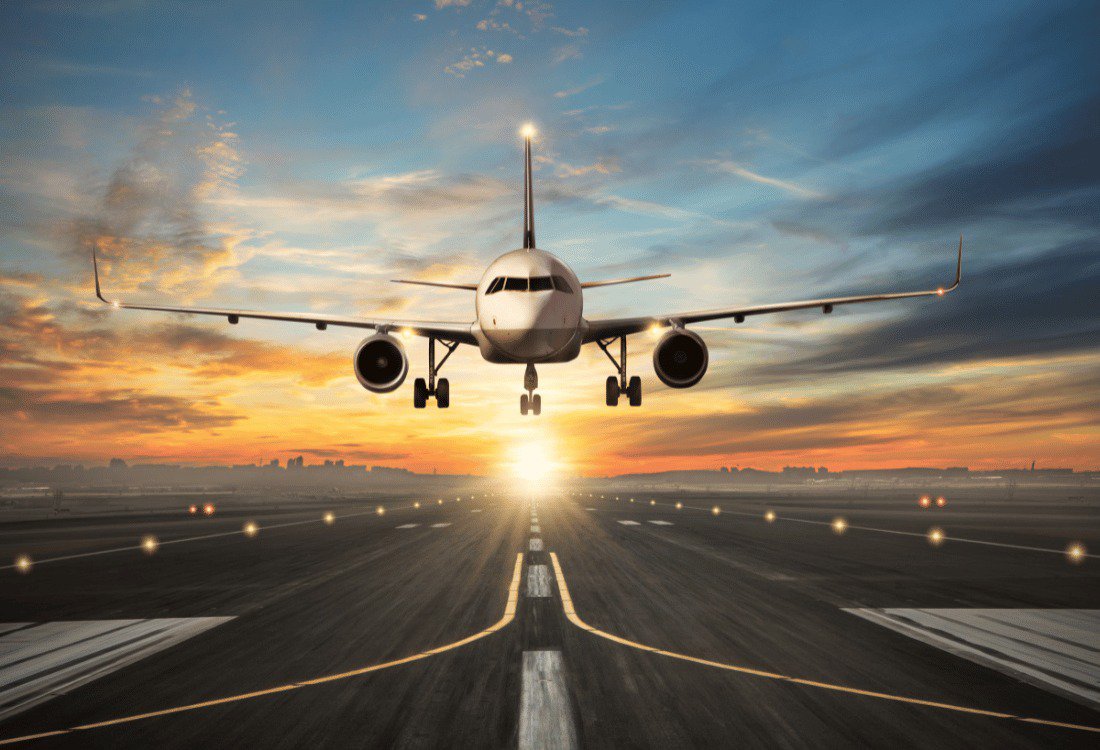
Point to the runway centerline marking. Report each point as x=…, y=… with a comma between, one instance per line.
x=441, y=525
x=408, y=526
x=630, y=523
x=661, y=523
x=535, y=545
x=508, y=616
x=538, y=582
x=545, y=712
x=573, y=617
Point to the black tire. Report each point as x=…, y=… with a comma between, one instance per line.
x=420, y=393
x=612, y=390
x=524, y=404
x=634, y=391
x=443, y=393
x=536, y=404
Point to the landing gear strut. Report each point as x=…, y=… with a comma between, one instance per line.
x=631, y=388
x=441, y=390
x=530, y=401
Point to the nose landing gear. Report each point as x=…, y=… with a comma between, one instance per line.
x=620, y=385
x=441, y=390
x=530, y=401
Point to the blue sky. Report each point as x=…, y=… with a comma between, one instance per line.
x=297, y=156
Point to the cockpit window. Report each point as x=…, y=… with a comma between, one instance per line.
x=562, y=285
x=534, y=284
x=498, y=282
x=512, y=284
x=541, y=284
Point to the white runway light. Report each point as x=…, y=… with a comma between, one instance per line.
x=840, y=525
x=23, y=563
x=679, y=506
x=715, y=510
x=1076, y=552
x=149, y=544
x=769, y=516
x=382, y=511
x=330, y=518
x=251, y=529
x=936, y=536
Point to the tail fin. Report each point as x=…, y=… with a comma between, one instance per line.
x=528, y=193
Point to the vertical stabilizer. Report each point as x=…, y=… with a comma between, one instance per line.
x=528, y=193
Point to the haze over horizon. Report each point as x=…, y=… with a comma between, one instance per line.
x=285, y=158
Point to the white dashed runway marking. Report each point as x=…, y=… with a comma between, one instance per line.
x=661, y=523
x=630, y=523
x=535, y=545
x=441, y=525
x=408, y=526
x=538, y=581
x=535, y=529
x=545, y=712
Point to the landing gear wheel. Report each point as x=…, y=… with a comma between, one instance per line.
x=443, y=393
x=634, y=391
x=536, y=404
x=612, y=390
x=420, y=393
x=524, y=404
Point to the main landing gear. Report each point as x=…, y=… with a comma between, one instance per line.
x=617, y=386
x=441, y=390
x=530, y=401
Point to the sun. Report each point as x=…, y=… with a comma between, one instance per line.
x=533, y=462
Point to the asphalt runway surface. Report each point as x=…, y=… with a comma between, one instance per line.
x=565, y=621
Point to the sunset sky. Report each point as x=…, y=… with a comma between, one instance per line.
x=297, y=158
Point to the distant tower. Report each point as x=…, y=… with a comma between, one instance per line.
x=1033, y=464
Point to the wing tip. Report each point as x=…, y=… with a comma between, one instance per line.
x=95, y=272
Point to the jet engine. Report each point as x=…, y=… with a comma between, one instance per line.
x=381, y=364
x=680, y=359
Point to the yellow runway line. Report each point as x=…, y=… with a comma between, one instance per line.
x=506, y=618
x=573, y=617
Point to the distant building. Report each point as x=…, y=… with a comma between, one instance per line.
x=295, y=463
x=117, y=463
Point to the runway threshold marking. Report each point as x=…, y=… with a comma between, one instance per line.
x=573, y=617
x=508, y=616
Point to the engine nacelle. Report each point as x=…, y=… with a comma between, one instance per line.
x=680, y=359
x=380, y=363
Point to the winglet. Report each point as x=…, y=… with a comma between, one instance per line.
x=959, y=268
x=95, y=271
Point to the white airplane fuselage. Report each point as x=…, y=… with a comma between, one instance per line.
x=525, y=325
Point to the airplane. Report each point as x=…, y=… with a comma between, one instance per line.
x=529, y=309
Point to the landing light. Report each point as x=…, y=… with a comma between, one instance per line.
x=655, y=330
x=940, y=291
x=116, y=304
x=936, y=536
x=149, y=544
x=839, y=525
x=1076, y=552
x=24, y=564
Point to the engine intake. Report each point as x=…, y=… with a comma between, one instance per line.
x=680, y=359
x=380, y=363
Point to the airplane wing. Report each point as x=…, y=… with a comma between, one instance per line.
x=614, y=327
x=441, y=284
x=609, y=282
x=459, y=332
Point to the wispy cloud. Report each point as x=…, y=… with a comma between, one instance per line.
x=733, y=168
x=564, y=93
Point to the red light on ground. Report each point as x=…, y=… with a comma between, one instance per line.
x=208, y=509
x=193, y=509
x=941, y=501
x=925, y=501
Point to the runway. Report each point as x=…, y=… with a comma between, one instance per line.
x=569, y=619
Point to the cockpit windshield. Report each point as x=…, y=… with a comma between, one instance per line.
x=533, y=284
